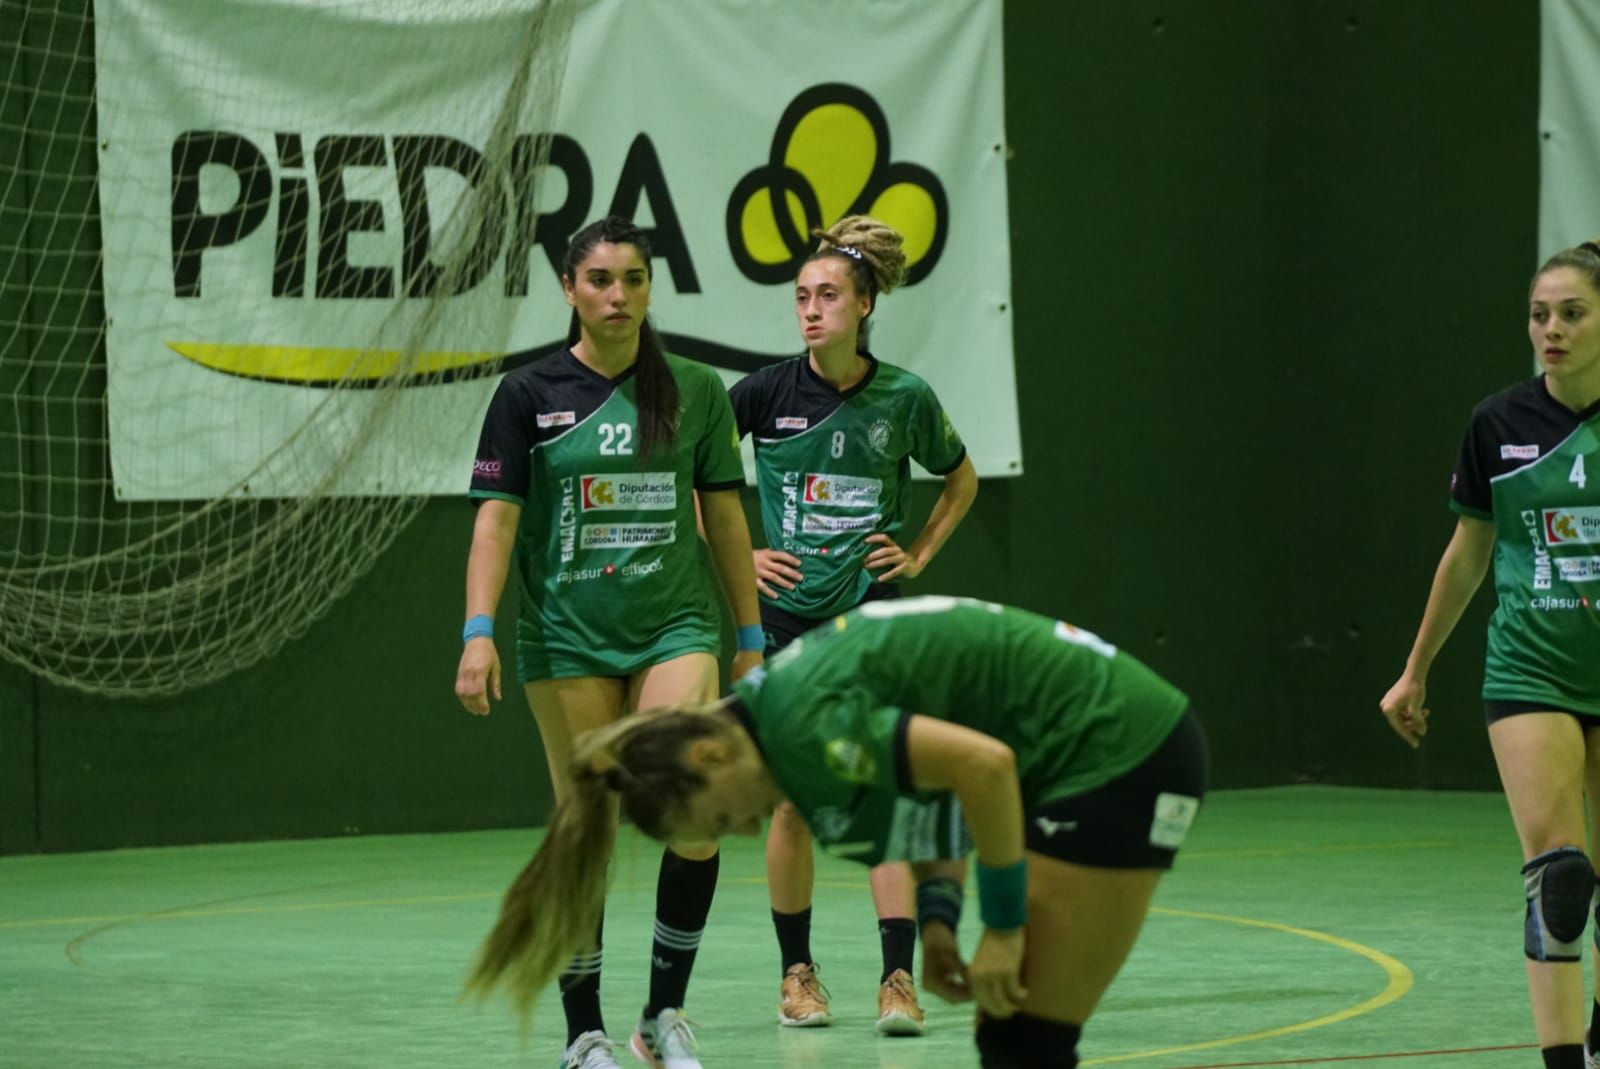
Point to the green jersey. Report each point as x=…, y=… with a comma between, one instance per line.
x=1531, y=466
x=830, y=712
x=612, y=574
x=833, y=468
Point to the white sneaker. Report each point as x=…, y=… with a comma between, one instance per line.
x=591, y=1050
x=666, y=1042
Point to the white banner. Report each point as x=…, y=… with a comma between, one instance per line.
x=1569, y=125
x=275, y=173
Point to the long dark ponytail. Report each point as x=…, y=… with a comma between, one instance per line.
x=656, y=391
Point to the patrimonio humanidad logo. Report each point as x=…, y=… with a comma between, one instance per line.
x=831, y=156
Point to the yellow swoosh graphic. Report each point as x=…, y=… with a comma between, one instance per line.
x=323, y=365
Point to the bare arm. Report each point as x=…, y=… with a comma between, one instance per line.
x=982, y=772
x=494, y=534
x=728, y=536
x=960, y=490
x=1460, y=573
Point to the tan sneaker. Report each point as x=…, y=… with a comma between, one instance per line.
x=803, y=1001
x=898, y=1012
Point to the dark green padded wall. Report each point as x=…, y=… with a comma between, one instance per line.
x=1265, y=258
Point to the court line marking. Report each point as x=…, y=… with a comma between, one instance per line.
x=1400, y=981
x=1367, y=1057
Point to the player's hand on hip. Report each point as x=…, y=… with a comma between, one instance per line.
x=478, y=675
x=996, y=972
x=900, y=564
x=1403, y=708
x=943, y=971
x=775, y=568
x=743, y=661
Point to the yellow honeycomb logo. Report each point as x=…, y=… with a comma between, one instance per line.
x=830, y=158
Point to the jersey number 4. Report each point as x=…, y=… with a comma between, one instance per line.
x=1578, y=476
x=616, y=439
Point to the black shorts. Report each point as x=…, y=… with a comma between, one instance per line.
x=1139, y=819
x=781, y=628
x=1500, y=708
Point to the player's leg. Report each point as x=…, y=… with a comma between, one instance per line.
x=1591, y=791
x=894, y=896
x=1094, y=860
x=565, y=709
x=1082, y=922
x=685, y=884
x=791, y=875
x=1541, y=758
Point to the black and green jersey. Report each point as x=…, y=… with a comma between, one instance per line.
x=1531, y=466
x=613, y=577
x=829, y=714
x=833, y=468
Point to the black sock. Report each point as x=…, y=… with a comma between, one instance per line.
x=794, y=937
x=580, y=990
x=1594, y=1021
x=899, y=938
x=684, y=890
x=1566, y=1056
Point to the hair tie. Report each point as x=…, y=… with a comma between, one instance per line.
x=849, y=250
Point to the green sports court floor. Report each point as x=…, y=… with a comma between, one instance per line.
x=1303, y=926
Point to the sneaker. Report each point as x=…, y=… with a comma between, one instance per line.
x=665, y=1042
x=898, y=1012
x=591, y=1050
x=803, y=1001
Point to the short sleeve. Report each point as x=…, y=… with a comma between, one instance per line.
x=501, y=467
x=745, y=396
x=717, y=464
x=1470, y=493
x=935, y=444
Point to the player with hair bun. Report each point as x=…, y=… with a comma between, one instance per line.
x=835, y=430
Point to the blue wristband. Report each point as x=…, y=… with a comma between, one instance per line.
x=479, y=626
x=1003, y=895
x=751, y=639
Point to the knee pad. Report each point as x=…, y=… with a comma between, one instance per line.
x=1559, y=886
x=1023, y=1041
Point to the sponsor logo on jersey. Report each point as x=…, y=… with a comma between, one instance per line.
x=829, y=824
x=626, y=535
x=638, y=568
x=814, y=524
x=1519, y=452
x=567, y=520
x=850, y=761
x=1548, y=604
x=791, y=503
x=793, y=423
x=879, y=435
x=486, y=469
x=1580, y=525
x=645, y=490
x=800, y=549
x=1578, y=569
x=845, y=491
x=546, y=420
x=1541, y=555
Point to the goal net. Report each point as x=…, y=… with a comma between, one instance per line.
x=149, y=591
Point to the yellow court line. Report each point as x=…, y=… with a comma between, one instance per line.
x=1400, y=977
